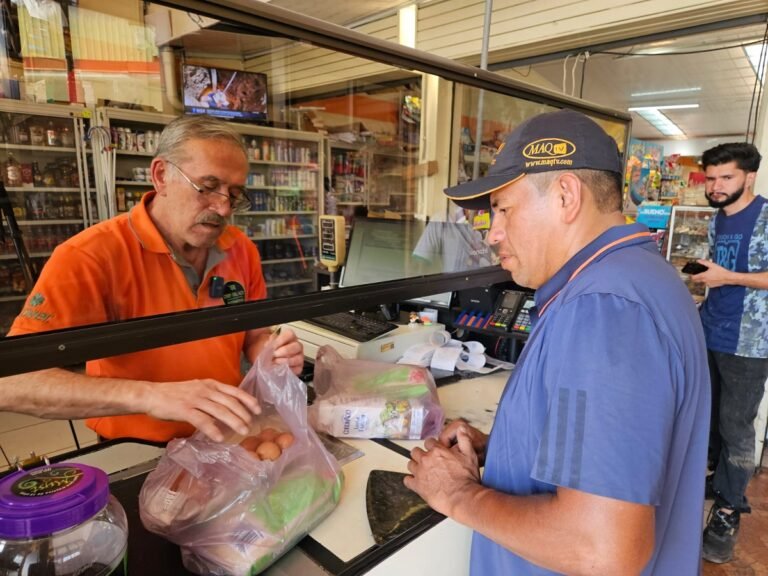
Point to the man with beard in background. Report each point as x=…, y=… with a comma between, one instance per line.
x=735, y=319
x=173, y=251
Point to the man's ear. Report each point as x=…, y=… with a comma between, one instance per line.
x=159, y=171
x=750, y=180
x=569, y=192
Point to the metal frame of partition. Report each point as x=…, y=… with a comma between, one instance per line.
x=72, y=346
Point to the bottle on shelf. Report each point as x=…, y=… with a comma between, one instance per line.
x=52, y=135
x=36, y=134
x=12, y=171
x=67, y=137
x=27, y=179
x=20, y=134
x=37, y=176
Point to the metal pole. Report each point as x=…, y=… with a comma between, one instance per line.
x=481, y=94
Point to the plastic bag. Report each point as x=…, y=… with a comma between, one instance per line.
x=364, y=399
x=230, y=512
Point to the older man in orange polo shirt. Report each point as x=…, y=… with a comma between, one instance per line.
x=163, y=256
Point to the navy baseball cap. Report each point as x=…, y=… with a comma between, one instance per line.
x=562, y=140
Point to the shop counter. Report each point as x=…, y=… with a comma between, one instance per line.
x=343, y=543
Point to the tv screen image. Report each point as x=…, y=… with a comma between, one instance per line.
x=225, y=93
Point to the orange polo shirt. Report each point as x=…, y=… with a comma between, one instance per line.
x=122, y=269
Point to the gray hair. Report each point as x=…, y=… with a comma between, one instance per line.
x=194, y=127
x=606, y=187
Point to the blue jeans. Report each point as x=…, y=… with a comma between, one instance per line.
x=738, y=384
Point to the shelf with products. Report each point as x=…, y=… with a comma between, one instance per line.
x=688, y=229
x=48, y=172
x=41, y=148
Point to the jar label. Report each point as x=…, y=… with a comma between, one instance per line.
x=47, y=481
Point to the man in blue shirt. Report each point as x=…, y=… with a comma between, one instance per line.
x=735, y=318
x=596, y=460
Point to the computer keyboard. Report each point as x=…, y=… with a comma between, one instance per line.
x=355, y=326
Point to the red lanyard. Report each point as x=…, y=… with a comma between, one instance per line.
x=589, y=260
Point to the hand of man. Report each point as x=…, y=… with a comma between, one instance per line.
x=714, y=277
x=206, y=404
x=478, y=439
x=442, y=475
x=288, y=350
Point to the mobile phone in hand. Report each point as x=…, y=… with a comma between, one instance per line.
x=693, y=267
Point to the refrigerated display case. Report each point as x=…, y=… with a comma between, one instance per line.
x=688, y=241
x=47, y=171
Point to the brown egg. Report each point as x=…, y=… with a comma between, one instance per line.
x=250, y=443
x=284, y=440
x=268, y=450
x=268, y=434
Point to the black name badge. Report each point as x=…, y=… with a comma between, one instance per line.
x=234, y=293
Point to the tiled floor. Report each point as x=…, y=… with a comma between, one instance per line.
x=752, y=548
x=20, y=435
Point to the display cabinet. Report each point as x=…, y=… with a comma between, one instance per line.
x=126, y=141
x=47, y=171
x=688, y=241
x=392, y=188
x=286, y=183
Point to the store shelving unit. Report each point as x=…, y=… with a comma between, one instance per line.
x=688, y=241
x=47, y=169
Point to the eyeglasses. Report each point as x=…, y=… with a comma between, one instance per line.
x=238, y=197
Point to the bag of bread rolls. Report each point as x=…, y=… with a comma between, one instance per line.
x=366, y=399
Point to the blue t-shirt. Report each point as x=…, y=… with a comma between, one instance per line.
x=611, y=397
x=735, y=317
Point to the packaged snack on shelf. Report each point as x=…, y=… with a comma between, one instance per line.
x=364, y=399
x=237, y=506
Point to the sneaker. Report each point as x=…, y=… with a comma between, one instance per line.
x=720, y=535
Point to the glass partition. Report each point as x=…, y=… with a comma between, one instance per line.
x=349, y=131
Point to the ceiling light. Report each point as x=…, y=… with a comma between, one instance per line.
x=407, y=26
x=659, y=121
x=663, y=107
x=753, y=53
x=664, y=92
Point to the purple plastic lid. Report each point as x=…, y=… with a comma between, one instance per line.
x=38, y=502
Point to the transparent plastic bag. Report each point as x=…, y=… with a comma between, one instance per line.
x=230, y=512
x=364, y=399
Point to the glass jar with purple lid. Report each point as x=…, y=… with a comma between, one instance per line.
x=61, y=520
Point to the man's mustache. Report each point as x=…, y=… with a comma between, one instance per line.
x=211, y=218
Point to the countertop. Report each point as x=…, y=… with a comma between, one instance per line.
x=342, y=544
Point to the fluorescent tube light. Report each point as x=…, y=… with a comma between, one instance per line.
x=407, y=25
x=753, y=53
x=665, y=92
x=663, y=107
x=659, y=121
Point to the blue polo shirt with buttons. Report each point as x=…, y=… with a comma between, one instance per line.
x=610, y=396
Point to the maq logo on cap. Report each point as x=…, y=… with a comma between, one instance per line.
x=549, y=148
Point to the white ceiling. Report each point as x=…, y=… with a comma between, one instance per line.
x=725, y=75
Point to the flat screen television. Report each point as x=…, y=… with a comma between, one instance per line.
x=225, y=93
